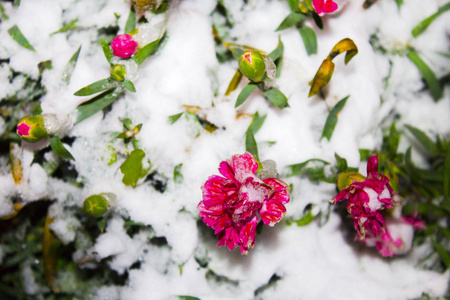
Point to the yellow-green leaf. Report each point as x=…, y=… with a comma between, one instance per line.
x=322, y=77
x=345, y=45
x=132, y=168
x=234, y=82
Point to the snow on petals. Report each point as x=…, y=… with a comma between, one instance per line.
x=231, y=203
x=324, y=6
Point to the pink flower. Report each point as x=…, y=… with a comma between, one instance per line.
x=124, y=46
x=367, y=199
x=231, y=203
x=324, y=6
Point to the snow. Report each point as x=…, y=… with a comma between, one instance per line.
x=313, y=262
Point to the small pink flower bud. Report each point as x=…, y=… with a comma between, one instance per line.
x=124, y=46
x=31, y=129
x=324, y=6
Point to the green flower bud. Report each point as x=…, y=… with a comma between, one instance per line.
x=31, y=129
x=345, y=179
x=118, y=72
x=98, y=205
x=252, y=66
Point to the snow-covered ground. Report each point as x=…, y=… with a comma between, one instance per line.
x=310, y=262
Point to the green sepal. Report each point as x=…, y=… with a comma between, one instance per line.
x=96, y=205
x=59, y=149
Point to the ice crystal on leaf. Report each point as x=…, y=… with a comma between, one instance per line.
x=232, y=202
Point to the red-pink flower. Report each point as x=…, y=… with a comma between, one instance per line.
x=124, y=46
x=324, y=6
x=367, y=199
x=231, y=204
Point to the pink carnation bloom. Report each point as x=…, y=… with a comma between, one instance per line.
x=366, y=199
x=124, y=46
x=231, y=203
x=324, y=6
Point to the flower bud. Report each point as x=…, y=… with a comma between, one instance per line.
x=31, y=129
x=252, y=66
x=124, y=46
x=346, y=178
x=98, y=205
x=118, y=72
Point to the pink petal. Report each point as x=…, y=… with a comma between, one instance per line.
x=225, y=170
x=247, y=235
x=329, y=7
x=372, y=166
x=229, y=238
x=243, y=166
x=23, y=129
x=318, y=6
x=272, y=212
x=281, y=193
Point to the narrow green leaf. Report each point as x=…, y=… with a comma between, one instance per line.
x=278, y=52
x=293, y=4
x=68, y=70
x=244, y=94
x=174, y=118
x=131, y=21
x=177, y=175
x=341, y=163
x=2, y=12
x=70, y=26
x=250, y=144
x=17, y=35
x=234, y=82
x=318, y=20
x=129, y=86
x=132, y=168
x=276, y=97
x=97, y=87
x=188, y=298
x=309, y=39
x=422, y=26
x=107, y=51
x=443, y=253
x=291, y=20
x=394, y=140
x=447, y=175
x=303, y=221
x=145, y=51
x=58, y=148
x=423, y=139
x=299, y=169
x=332, y=119
x=427, y=74
x=96, y=104
x=399, y=3
x=257, y=122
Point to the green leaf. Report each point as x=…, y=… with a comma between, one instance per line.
x=309, y=39
x=174, y=118
x=443, y=253
x=394, y=140
x=96, y=104
x=322, y=77
x=341, y=163
x=68, y=70
x=129, y=86
x=250, y=144
x=188, y=298
x=101, y=224
x=332, y=119
x=17, y=35
x=107, y=50
x=291, y=20
x=278, y=52
x=177, y=175
x=244, y=94
x=399, y=3
x=132, y=168
x=299, y=169
x=58, y=148
x=145, y=52
x=423, y=139
x=256, y=123
x=305, y=220
x=293, y=4
x=234, y=82
x=96, y=87
x=447, y=175
x=131, y=21
x=70, y=26
x=422, y=26
x=2, y=12
x=318, y=20
x=276, y=97
x=427, y=74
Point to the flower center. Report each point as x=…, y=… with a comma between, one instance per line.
x=23, y=129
